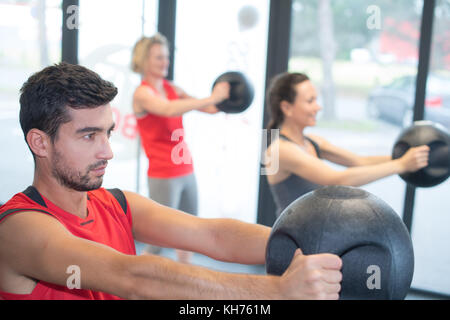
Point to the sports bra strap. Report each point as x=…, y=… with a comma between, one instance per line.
x=315, y=145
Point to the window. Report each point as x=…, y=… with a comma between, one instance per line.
x=225, y=147
x=31, y=40
x=362, y=57
x=107, y=34
x=431, y=224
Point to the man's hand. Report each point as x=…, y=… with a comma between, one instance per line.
x=312, y=277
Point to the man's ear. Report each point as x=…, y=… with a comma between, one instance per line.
x=39, y=143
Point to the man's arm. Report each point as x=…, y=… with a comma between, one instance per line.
x=37, y=246
x=46, y=256
x=227, y=240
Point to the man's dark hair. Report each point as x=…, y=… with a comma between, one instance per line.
x=47, y=95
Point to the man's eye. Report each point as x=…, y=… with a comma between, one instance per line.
x=89, y=136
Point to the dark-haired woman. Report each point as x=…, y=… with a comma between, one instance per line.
x=292, y=100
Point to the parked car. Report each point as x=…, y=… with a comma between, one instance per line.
x=395, y=102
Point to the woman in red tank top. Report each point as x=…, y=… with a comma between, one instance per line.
x=159, y=106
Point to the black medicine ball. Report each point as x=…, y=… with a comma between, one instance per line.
x=241, y=92
x=371, y=239
x=438, y=139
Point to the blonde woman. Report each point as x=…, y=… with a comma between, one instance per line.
x=159, y=106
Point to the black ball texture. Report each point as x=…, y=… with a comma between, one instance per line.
x=371, y=239
x=438, y=139
x=241, y=92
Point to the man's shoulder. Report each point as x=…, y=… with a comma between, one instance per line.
x=21, y=202
x=20, y=199
x=111, y=196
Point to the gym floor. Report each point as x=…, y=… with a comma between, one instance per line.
x=201, y=260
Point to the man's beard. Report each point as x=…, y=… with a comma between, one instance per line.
x=73, y=179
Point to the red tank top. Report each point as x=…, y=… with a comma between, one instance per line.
x=107, y=223
x=163, y=141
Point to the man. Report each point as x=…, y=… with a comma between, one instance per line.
x=65, y=222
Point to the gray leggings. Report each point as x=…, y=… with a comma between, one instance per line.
x=178, y=193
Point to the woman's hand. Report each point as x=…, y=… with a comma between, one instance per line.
x=221, y=91
x=415, y=158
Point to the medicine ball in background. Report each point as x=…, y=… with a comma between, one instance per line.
x=241, y=92
x=247, y=17
x=371, y=239
x=438, y=139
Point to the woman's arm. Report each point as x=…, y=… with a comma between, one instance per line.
x=296, y=161
x=211, y=109
x=345, y=157
x=145, y=101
